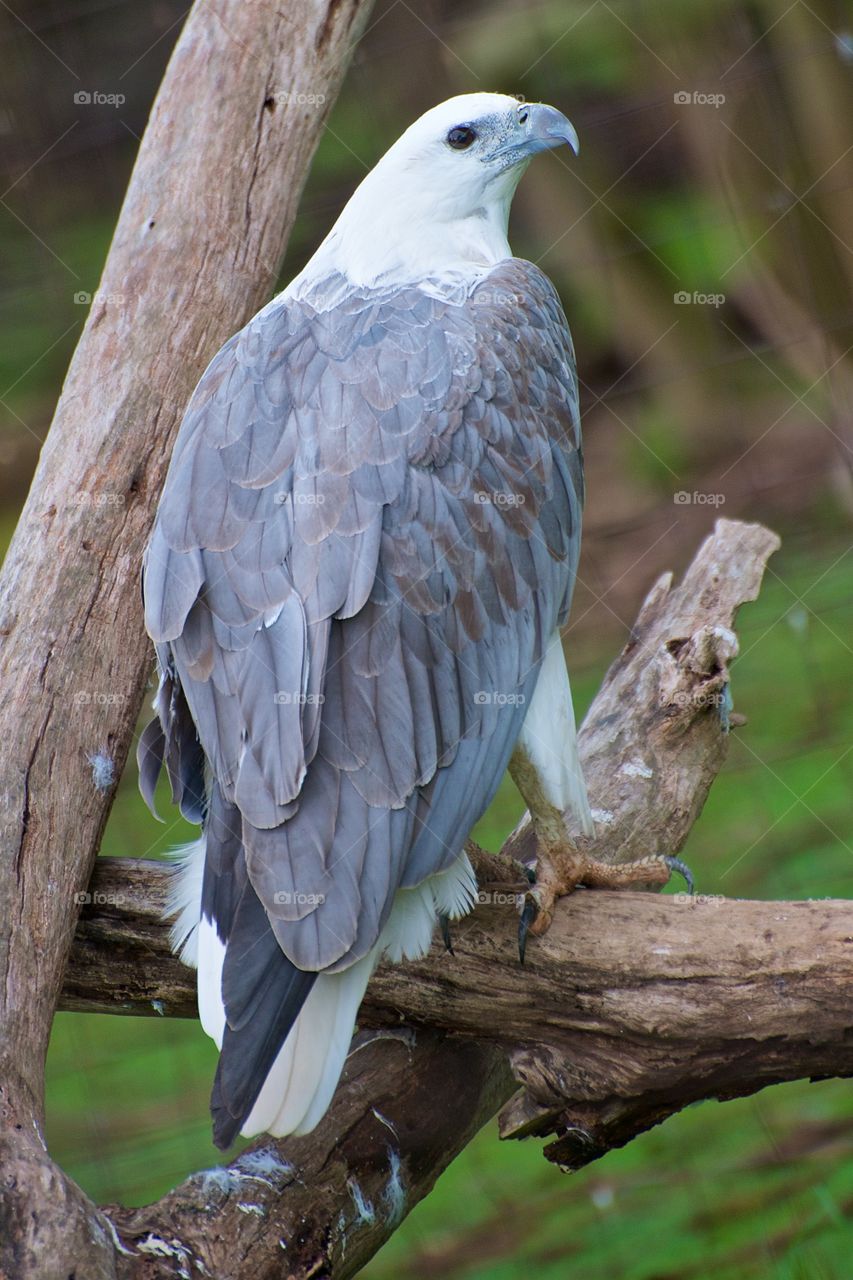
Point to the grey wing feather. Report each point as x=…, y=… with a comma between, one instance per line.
x=369, y=531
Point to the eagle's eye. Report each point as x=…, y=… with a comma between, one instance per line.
x=522, y=115
x=461, y=137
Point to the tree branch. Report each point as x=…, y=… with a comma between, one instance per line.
x=628, y=1000
x=629, y=1008
x=632, y=1007
x=196, y=251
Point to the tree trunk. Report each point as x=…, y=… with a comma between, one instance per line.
x=196, y=251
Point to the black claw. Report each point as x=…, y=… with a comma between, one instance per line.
x=444, y=922
x=675, y=864
x=529, y=912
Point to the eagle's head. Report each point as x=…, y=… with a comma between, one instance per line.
x=437, y=203
x=477, y=145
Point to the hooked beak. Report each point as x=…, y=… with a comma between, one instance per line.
x=538, y=128
x=546, y=127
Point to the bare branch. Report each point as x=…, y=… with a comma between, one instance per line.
x=629, y=998
x=321, y=1206
x=631, y=1007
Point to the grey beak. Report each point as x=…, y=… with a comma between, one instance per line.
x=546, y=128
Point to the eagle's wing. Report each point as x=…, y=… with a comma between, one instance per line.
x=367, y=536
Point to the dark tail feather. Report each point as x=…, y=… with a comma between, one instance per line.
x=263, y=993
x=248, y=1054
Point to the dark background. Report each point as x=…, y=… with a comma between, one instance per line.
x=715, y=166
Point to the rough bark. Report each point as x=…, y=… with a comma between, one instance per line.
x=321, y=1206
x=631, y=1007
x=196, y=251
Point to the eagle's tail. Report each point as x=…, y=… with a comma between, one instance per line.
x=297, y=1092
x=279, y=1069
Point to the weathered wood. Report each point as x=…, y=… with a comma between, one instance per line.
x=321, y=1206
x=631, y=1007
x=629, y=999
x=674, y=675
x=196, y=251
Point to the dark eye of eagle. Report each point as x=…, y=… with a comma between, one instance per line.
x=461, y=137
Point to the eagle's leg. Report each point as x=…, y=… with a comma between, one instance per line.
x=562, y=865
x=546, y=769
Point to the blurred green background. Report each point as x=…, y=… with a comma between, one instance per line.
x=703, y=246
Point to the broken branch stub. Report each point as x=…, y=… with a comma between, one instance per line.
x=648, y=772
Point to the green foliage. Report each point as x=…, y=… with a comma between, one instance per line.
x=754, y=1188
x=40, y=310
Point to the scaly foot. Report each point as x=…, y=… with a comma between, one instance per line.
x=562, y=868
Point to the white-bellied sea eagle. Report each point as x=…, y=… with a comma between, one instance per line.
x=362, y=558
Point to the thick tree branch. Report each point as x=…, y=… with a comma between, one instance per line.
x=629, y=1008
x=196, y=251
